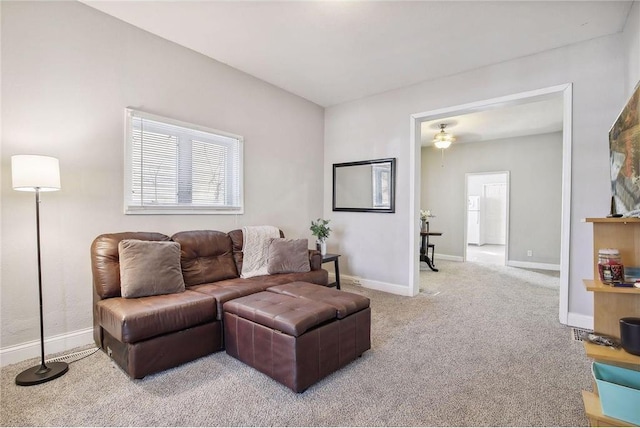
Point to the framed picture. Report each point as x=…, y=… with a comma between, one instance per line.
x=624, y=151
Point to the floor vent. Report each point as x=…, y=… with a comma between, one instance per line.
x=70, y=358
x=579, y=334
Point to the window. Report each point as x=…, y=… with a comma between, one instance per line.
x=173, y=167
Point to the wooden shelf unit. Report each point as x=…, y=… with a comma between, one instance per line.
x=594, y=412
x=620, y=233
x=618, y=357
x=596, y=285
x=612, y=303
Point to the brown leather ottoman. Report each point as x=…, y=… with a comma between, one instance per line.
x=296, y=341
x=352, y=311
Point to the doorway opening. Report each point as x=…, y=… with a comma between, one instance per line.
x=487, y=218
x=565, y=92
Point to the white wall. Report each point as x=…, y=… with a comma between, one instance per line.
x=535, y=164
x=378, y=126
x=68, y=72
x=631, y=43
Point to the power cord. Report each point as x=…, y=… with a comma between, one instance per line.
x=73, y=357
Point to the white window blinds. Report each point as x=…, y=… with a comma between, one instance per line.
x=176, y=167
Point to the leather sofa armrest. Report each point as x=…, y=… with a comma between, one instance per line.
x=315, y=259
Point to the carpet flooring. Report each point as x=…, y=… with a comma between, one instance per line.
x=479, y=346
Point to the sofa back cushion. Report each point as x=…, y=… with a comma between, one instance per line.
x=206, y=256
x=288, y=256
x=149, y=268
x=105, y=260
x=238, y=243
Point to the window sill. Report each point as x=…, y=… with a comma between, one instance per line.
x=182, y=211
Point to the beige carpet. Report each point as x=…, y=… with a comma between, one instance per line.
x=480, y=346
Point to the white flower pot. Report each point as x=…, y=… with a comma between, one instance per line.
x=321, y=245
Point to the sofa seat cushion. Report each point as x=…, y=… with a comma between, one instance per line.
x=279, y=312
x=223, y=291
x=133, y=320
x=345, y=303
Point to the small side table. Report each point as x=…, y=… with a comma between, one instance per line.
x=333, y=258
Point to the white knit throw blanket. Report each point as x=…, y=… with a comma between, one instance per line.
x=256, y=249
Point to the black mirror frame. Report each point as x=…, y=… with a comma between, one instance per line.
x=392, y=186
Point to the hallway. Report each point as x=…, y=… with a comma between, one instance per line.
x=486, y=254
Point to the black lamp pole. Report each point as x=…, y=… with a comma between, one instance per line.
x=42, y=373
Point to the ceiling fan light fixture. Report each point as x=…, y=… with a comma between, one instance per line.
x=442, y=144
x=442, y=139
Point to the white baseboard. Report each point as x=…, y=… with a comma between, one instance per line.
x=512, y=263
x=387, y=287
x=52, y=345
x=579, y=320
x=533, y=265
x=448, y=257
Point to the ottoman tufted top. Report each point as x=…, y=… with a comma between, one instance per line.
x=344, y=302
x=287, y=314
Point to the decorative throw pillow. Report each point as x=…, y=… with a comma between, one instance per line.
x=149, y=268
x=288, y=255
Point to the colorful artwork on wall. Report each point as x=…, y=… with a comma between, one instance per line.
x=624, y=149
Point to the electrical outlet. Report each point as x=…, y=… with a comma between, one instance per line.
x=529, y=253
x=355, y=281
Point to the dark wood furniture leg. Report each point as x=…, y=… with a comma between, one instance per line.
x=333, y=258
x=424, y=256
x=337, y=268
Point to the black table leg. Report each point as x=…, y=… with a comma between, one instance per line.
x=425, y=258
x=337, y=269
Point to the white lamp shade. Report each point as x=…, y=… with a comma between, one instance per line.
x=442, y=144
x=31, y=172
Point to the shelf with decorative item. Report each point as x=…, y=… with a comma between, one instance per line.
x=611, y=304
x=612, y=220
x=622, y=234
x=600, y=287
x=608, y=354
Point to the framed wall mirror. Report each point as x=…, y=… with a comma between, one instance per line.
x=365, y=186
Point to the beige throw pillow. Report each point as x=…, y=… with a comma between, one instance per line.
x=288, y=255
x=149, y=268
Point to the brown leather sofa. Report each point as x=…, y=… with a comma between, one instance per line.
x=146, y=335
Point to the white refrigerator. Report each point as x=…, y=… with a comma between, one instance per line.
x=474, y=221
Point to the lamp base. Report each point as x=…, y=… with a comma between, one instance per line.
x=41, y=374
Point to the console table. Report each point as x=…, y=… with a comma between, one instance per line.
x=424, y=247
x=326, y=258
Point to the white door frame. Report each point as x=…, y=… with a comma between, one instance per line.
x=507, y=175
x=566, y=91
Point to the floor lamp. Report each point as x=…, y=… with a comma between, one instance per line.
x=32, y=173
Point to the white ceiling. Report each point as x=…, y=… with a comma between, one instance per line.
x=331, y=52
x=539, y=117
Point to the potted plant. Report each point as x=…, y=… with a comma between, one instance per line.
x=424, y=217
x=321, y=230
